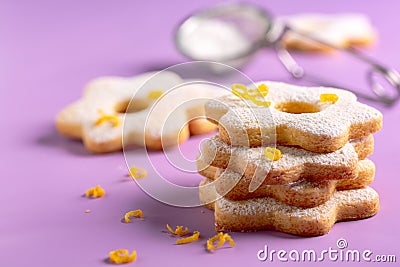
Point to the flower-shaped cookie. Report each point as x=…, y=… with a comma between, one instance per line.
x=268, y=213
x=155, y=112
x=303, y=193
x=294, y=165
x=340, y=30
x=318, y=119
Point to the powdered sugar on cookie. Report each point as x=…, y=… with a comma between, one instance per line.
x=157, y=110
x=340, y=30
x=298, y=117
x=267, y=213
x=302, y=193
x=295, y=163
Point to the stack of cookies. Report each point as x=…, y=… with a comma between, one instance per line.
x=298, y=166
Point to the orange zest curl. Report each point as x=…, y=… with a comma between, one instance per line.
x=113, y=119
x=257, y=96
x=332, y=98
x=188, y=239
x=221, y=238
x=133, y=213
x=178, y=230
x=137, y=172
x=122, y=256
x=263, y=89
x=95, y=192
x=240, y=90
x=272, y=153
x=155, y=94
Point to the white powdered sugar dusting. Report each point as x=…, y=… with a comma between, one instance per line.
x=291, y=156
x=271, y=206
x=332, y=120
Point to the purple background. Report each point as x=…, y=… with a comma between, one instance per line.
x=50, y=49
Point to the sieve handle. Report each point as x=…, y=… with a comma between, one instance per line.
x=381, y=92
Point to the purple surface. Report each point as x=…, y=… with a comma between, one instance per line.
x=50, y=49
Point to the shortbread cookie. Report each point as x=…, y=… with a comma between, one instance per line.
x=297, y=116
x=207, y=193
x=268, y=213
x=156, y=118
x=363, y=146
x=303, y=193
x=339, y=30
x=295, y=164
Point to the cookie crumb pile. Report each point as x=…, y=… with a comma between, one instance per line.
x=297, y=164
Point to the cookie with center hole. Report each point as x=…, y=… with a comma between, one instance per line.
x=156, y=110
x=318, y=119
